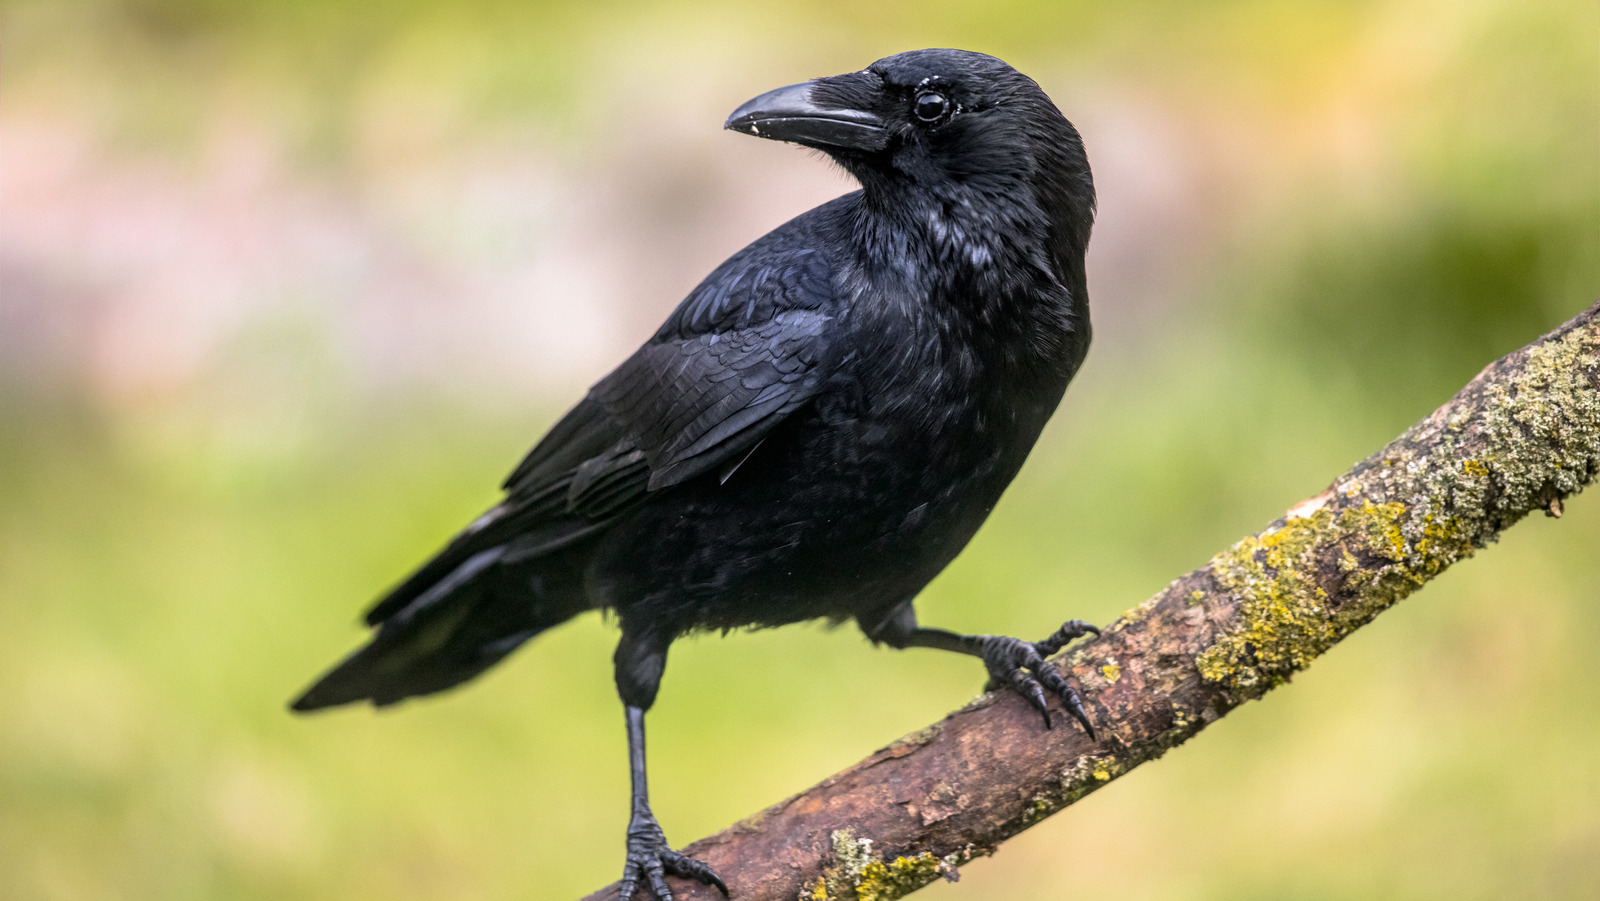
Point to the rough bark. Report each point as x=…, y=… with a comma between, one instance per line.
x=1520, y=437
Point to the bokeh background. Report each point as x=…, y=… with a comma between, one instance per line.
x=288, y=286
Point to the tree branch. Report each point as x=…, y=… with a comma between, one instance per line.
x=1520, y=437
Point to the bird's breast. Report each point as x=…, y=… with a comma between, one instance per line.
x=932, y=433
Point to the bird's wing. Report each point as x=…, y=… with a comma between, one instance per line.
x=744, y=350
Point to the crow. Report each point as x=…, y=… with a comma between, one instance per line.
x=815, y=431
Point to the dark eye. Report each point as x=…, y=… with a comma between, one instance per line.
x=931, y=106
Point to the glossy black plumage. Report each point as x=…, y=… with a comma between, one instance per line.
x=816, y=431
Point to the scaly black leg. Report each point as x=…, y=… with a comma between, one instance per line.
x=638, y=668
x=1011, y=662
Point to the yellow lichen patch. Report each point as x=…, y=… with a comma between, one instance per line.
x=899, y=877
x=1041, y=806
x=1419, y=547
x=1112, y=672
x=1282, y=608
x=1286, y=617
x=858, y=873
x=1086, y=774
x=850, y=857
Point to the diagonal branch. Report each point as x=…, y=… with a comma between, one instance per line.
x=1520, y=437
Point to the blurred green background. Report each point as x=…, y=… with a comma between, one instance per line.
x=288, y=286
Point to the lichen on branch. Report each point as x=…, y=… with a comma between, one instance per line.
x=1520, y=438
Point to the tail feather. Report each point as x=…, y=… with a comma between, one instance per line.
x=464, y=623
x=507, y=524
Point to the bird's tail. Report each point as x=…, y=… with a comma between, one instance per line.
x=462, y=624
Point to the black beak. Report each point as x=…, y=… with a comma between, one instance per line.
x=790, y=114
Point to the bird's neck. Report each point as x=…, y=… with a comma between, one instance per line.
x=992, y=255
x=981, y=228
x=992, y=265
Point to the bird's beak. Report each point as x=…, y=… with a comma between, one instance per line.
x=790, y=114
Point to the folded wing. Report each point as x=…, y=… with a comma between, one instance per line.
x=744, y=350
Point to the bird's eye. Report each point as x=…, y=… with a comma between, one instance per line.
x=931, y=106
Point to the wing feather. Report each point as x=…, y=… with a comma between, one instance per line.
x=744, y=350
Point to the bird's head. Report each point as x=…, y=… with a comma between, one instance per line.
x=952, y=126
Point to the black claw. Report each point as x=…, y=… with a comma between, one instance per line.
x=698, y=870
x=1074, y=706
x=1032, y=690
x=1022, y=666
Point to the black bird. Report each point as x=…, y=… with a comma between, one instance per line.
x=816, y=431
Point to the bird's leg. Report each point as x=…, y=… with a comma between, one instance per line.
x=1011, y=662
x=639, y=664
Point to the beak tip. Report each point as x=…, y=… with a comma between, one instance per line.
x=744, y=124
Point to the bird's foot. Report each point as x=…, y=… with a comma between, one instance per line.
x=650, y=859
x=1021, y=666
